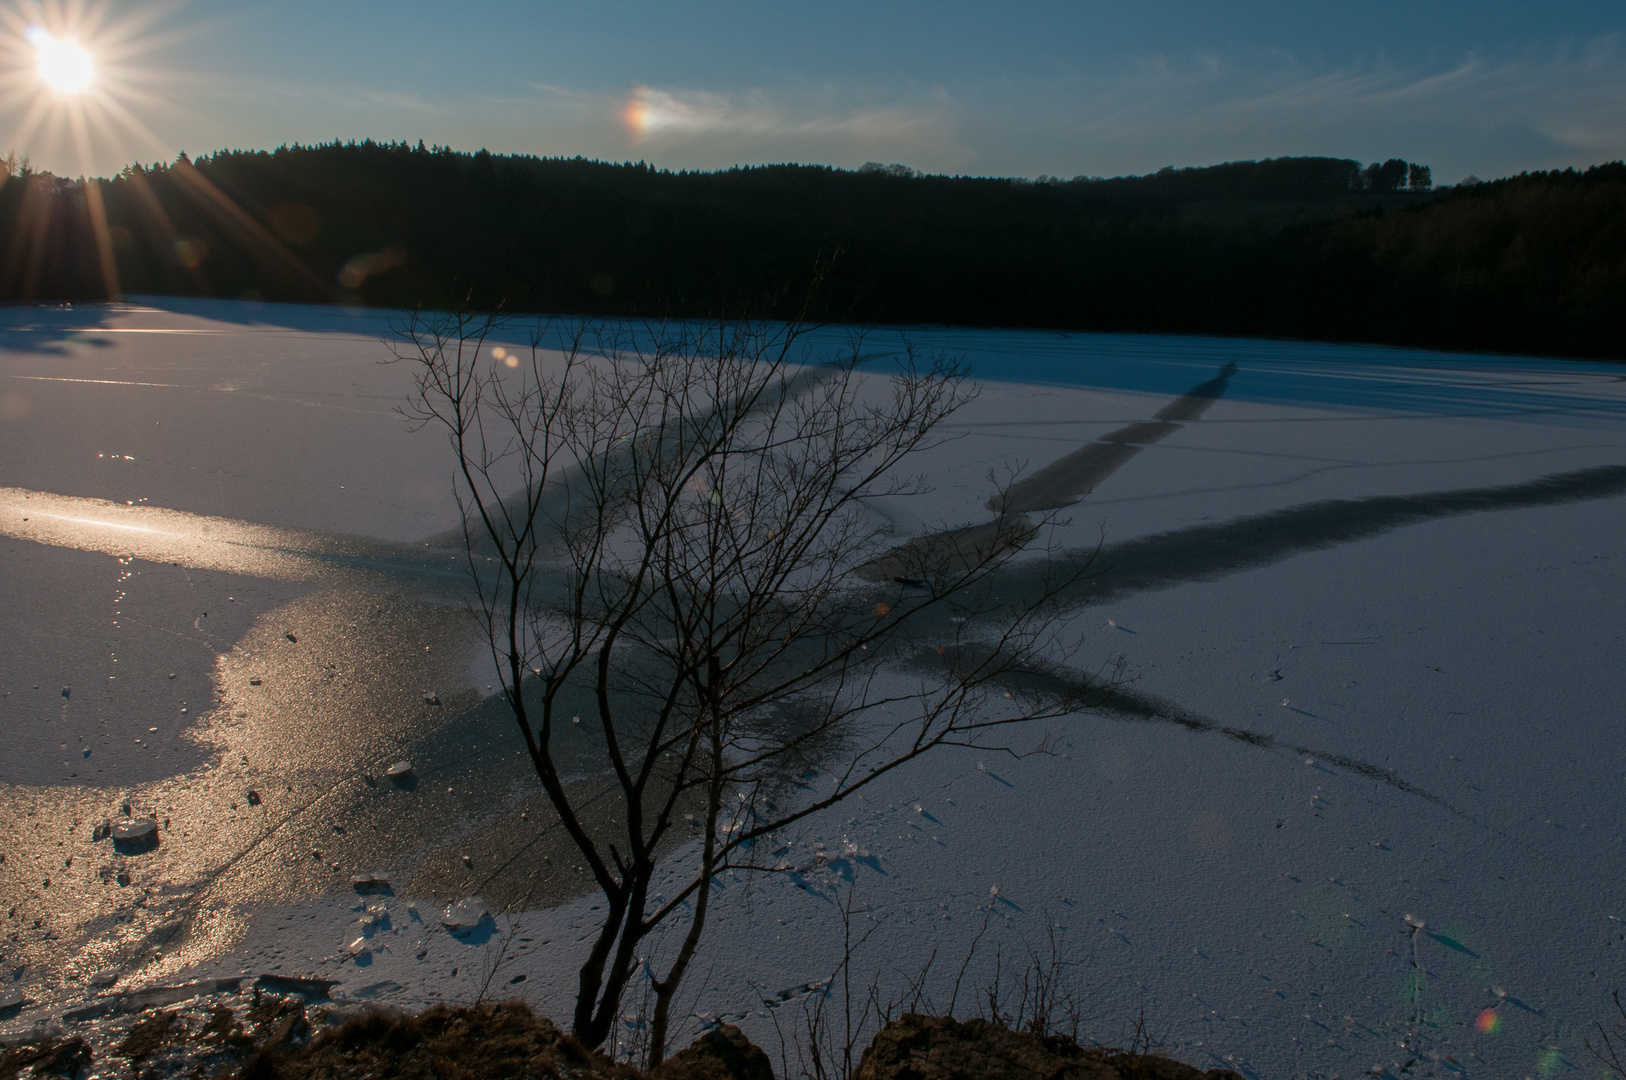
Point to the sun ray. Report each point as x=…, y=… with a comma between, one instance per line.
x=257, y=240
x=32, y=121
x=156, y=218
x=111, y=135
x=104, y=238
x=132, y=123
x=28, y=242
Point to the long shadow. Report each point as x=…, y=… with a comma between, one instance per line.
x=1211, y=551
x=1206, y=552
x=1125, y=703
x=1070, y=478
x=1061, y=483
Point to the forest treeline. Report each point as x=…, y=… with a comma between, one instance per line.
x=1319, y=248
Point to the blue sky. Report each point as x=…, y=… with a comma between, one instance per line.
x=994, y=89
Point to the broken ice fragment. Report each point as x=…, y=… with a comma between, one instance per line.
x=465, y=914
x=431, y=698
x=357, y=947
x=398, y=770
x=135, y=829
x=370, y=880
x=1415, y=923
x=104, y=978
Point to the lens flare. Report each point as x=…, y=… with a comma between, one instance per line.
x=64, y=64
x=1488, y=1023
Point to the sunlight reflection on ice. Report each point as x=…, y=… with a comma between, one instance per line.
x=209, y=543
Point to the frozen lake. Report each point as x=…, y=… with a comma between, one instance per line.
x=1369, y=603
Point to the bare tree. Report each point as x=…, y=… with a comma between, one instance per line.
x=667, y=525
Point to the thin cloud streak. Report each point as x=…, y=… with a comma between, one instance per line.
x=774, y=122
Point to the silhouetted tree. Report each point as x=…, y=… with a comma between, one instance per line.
x=669, y=524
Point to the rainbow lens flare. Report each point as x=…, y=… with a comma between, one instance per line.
x=1488, y=1023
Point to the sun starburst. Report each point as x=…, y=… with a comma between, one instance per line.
x=72, y=84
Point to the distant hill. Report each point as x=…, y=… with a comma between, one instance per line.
x=1299, y=247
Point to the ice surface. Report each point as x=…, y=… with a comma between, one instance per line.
x=1368, y=604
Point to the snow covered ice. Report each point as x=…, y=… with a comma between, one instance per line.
x=1360, y=783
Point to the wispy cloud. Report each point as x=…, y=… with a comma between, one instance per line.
x=1533, y=109
x=402, y=102
x=802, y=123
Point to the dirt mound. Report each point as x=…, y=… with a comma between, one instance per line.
x=486, y=1042
x=721, y=1054
x=936, y=1048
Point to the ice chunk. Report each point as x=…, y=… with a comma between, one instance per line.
x=135, y=829
x=466, y=914
x=104, y=978
x=398, y=770
x=431, y=698
x=372, y=880
x=1415, y=923
x=358, y=947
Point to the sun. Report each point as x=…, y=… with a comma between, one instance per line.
x=64, y=64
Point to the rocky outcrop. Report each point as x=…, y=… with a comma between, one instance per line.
x=721, y=1054
x=937, y=1048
